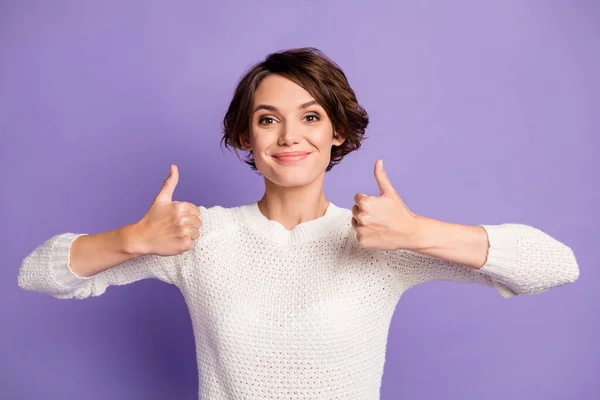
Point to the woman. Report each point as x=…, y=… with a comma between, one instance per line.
x=292, y=296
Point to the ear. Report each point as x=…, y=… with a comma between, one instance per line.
x=338, y=138
x=245, y=142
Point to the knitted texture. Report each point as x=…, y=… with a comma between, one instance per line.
x=301, y=313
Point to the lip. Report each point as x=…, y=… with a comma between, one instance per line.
x=291, y=156
x=290, y=153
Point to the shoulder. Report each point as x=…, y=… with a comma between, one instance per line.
x=344, y=217
x=217, y=219
x=344, y=212
x=217, y=222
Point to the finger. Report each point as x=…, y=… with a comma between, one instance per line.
x=359, y=198
x=192, y=233
x=192, y=221
x=385, y=186
x=359, y=218
x=191, y=209
x=166, y=192
x=355, y=211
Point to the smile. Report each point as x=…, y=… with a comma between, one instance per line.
x=290, y=158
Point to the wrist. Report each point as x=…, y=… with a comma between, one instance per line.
x=422, y=236
x=132, y=240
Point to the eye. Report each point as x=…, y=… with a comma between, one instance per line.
x=266, y=121
x=312, y=118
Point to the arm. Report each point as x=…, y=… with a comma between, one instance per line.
x=515, y=258
x=92, y=254
x=78, y=266
x=461, y=244
x=520, y=259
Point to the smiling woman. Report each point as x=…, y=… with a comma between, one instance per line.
x=287, y=127
x=319, y=83
x=292, y=296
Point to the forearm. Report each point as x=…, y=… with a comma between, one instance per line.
x=92, y=254
x=462, y=244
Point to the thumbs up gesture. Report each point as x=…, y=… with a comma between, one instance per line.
x=383, y=222
x=169, y=227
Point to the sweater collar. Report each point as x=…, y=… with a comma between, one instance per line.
x=275, y=231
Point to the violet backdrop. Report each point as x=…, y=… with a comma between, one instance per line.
x=484, y=113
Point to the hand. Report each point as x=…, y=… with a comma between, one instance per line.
x=383, y=222
x=169, y=227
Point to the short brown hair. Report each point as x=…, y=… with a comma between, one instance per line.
x=315, y=73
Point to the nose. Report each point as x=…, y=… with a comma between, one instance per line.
x=288, y=135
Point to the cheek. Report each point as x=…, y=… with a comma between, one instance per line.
x=256, y=139
x=261, y=143
x=321, y=138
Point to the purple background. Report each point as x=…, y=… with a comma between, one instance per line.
x=482, y=114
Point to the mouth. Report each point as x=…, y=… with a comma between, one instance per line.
x=290, y=158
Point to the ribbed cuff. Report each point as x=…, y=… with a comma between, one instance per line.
x=502, y=256
x=61, y=260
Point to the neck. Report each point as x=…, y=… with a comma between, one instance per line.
x=291, y=206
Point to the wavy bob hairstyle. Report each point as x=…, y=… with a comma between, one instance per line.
x=317, y=74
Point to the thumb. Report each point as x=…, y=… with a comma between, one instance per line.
x=385, y=186
x=166, y=192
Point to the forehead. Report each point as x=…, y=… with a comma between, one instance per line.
x=280, y=91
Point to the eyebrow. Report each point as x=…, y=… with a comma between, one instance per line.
x=273, y=108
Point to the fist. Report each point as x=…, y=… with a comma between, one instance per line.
x=169, y=227
x=383, y=222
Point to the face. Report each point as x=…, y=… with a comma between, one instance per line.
x=290, y=133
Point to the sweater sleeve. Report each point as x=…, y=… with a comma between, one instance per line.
x=47, y=270
x=521, y=260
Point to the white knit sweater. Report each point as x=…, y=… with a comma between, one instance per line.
x=301, y=313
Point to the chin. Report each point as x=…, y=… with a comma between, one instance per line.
x=292, y=178
x=290, y=181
